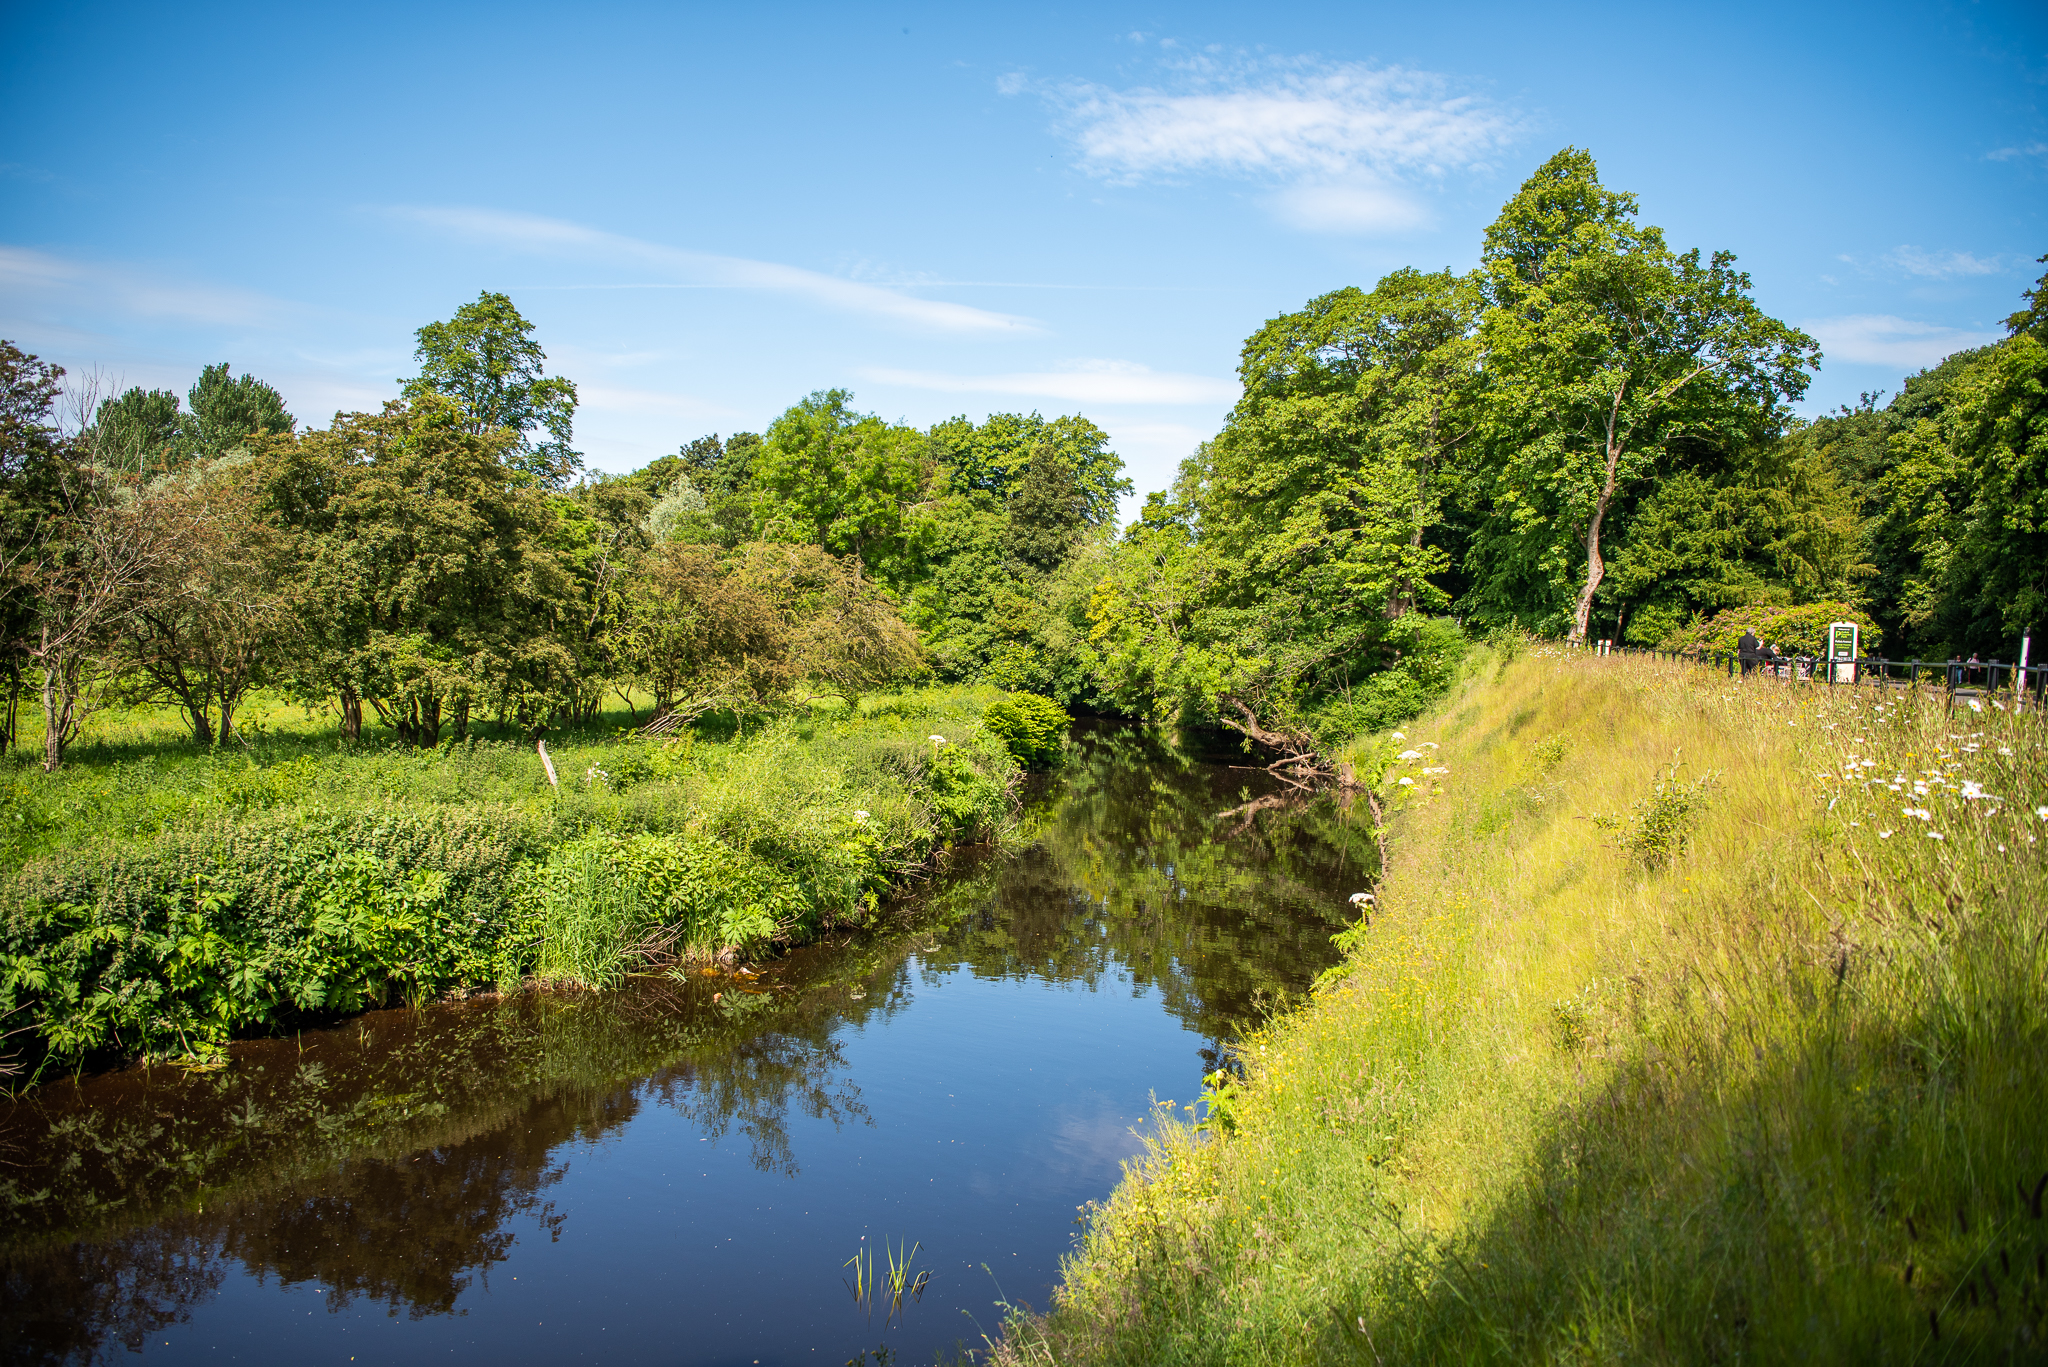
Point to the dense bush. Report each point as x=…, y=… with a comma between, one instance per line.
x=1796, y=631
x=1033, y=727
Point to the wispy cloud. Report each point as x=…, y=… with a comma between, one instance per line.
x=1881, y=339
x=2038, y=150
x=1343, y=142
x=1940, y=265
x=72, y=284
x=1111, y=382
x=556, y=237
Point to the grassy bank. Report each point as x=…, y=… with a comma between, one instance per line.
x=1673, y=1037
x=162, y=899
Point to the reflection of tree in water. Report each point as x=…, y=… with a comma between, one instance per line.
x=1133, y=871
x=77, y=1302
x=395, y=1161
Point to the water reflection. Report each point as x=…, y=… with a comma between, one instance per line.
x=394, y=1162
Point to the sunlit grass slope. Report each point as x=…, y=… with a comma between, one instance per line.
x=1744, y=1061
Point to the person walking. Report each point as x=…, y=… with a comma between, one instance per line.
x=1747, y=649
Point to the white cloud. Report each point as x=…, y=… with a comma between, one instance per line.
x=1111, y=382
x=2032, y=149
x=1341, y=137
x=528, y=232
x=1881, y=339
x=72, y=283
x=1940, y=265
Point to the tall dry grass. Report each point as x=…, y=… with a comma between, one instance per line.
x=1761, y=1080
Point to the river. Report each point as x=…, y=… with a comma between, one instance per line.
x=680, y=1171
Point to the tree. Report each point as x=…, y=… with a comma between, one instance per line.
x=425, y=584
x=135, y=432
x=995, y=457
x=843, y=629
x=33, y=458
x=225, y=412
x=213, y=617
x=838, y=479
x=703, y=636
x=103, y=549
x=485, y=359
x=1605, y=352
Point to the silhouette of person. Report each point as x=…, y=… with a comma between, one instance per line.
x=1747, y=649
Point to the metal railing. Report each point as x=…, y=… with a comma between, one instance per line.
x=1951, y=679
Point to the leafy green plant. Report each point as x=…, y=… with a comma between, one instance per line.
x=1657, y=828
x=1032, y=727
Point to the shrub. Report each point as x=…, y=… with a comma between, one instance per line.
x=1796, y=631
x=1032, y=727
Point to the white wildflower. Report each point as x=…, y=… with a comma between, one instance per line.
x=1407, y=783
x=1436, y=769
x=860, y=816
x=1936, y=835
x=1429, y=745
x=1360, y=899
x=1884, y=835
x=1976, y=706
x=1409, y=754
x=1399, y=736
x=936, y=740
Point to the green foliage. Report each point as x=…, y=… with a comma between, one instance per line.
x=226, y=412
x=834, y=478
x=486, y=360
x=607, y=903
x=136, y=431
x=1031, y=726
x=162, y=903
x=1612, y=360
x=1794, y=631
x=1657, y=828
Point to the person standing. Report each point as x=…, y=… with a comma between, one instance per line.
x=1747, y=650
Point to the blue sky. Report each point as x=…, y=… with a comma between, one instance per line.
x=712, y=210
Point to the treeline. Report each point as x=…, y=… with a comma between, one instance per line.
x=433, y=565
x=1589, y=435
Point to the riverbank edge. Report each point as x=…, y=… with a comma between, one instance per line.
x=438, y=902
x=1667, y=1034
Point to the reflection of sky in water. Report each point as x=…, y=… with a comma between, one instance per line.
x=654, y=1177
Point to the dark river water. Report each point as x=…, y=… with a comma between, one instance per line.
x=679, y=1171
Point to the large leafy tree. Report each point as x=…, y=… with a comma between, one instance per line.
x=832, y=477
x=1328, y=481
x=486, y=360
x=1608, y=357
x=427, y=583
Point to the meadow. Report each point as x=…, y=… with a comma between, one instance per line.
x=1695, y=1019
x=164, y=898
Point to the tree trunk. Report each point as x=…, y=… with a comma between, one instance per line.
x=1596, y=568
x=13, y=712
x=54, y=720
x=351, y=714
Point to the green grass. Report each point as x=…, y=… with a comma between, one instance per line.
x=162, y=898
x=1753, y=1070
